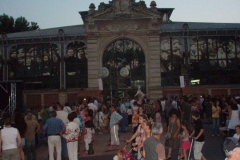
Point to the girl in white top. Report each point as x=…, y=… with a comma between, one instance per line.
x=88, y=134
x=237, y=135
x=234, y=119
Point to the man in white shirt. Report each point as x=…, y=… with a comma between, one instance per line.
x=51, y=108
x=95, y=102
x=67, y=108
x=64, y=117
x=123, y=114
x=163, y=102
x=174, y=103
x=92, y=107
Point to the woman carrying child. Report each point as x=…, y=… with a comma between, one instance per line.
x=137, y=135
x=146, y=125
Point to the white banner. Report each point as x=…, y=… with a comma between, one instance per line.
x=182, y=83
x=100, y=84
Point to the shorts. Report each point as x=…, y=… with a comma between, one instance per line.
x=197, y=149
x=185, y=145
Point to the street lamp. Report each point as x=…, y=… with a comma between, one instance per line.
x=104, y=73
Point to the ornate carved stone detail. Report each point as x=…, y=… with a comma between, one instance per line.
x=121, y=6
x=92, y=35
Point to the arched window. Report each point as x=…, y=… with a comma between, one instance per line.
x=171, y=60
x=76, y=69
x=38, y=65
x=130, y=56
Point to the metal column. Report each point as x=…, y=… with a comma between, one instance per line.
x=12, y=103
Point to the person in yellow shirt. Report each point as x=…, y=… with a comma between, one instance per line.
x=215, y=118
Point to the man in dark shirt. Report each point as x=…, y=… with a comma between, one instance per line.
x=186, y=111
x=198, y=136
x=152, y=147
x=54, y=128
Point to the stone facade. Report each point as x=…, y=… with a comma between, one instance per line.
x=151, y=29
x=125, y=20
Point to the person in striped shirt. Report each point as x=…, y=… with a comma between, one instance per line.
x=115, y=119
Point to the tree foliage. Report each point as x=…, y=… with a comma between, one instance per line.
x=9, y=25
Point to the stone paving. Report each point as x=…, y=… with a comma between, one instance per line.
x=212, y=148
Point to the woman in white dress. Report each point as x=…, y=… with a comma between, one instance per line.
x=234, y=118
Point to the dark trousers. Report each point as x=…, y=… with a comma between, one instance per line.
x=30, y=149
x=130, y=119
x=123, y=122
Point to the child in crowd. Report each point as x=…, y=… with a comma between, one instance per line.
x=88, y=134
x=134, y=121
x=237, y=134
x=119, y=155
x=185, y=146
x=157, y=116
x=100, y=116
x=224, y=130
x=129, y=112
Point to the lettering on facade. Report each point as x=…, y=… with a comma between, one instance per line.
x=118, y=27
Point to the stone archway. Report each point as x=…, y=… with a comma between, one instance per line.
x=124, y=53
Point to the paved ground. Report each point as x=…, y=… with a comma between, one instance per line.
x=212, y=148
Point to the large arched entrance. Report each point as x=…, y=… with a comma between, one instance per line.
x=125, y=61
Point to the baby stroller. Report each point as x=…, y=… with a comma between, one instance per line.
x=229, y=144
x=128, y=155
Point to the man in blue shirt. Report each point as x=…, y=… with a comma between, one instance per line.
x=54, y=128
x=115, y=119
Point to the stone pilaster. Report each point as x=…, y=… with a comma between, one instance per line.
x=93, y=62
x=154, y=72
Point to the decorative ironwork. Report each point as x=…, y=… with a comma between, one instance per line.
x=38, y=65
x=125, y=56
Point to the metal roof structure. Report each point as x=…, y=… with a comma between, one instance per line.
x=198, y=26
x=76, y=30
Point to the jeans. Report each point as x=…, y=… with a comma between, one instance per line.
x=30, y=149
x=215, y=126
x=64, y=147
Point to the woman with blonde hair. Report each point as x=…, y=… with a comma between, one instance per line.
x=147, y=126
x=140, y=131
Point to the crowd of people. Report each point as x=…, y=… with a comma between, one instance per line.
x=177, y=119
